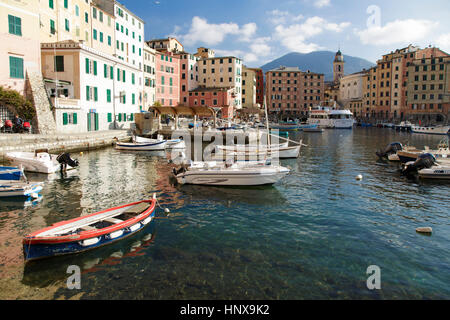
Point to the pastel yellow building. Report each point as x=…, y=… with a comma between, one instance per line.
x=62, y=20
x=19, y=48
x=248, y=88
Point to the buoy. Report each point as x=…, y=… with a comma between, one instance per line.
x=34, y=195
x=166, y=210
x=359, y=177
x=81, y=153
x=426, y=230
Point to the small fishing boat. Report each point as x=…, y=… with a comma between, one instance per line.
x=20, y=189
x=39, y=161
x=392, y=150
x=90, y=231
x=170, y=144
x=403, y=126
x=436, y=130
x=10, y=173
x=144, y=146
x=441, y=152
x=314, y=130
x=226, y=174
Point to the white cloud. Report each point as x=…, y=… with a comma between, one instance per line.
x=398, y=31
x=201, y=31
x=277, y=17
x=443, y=42
x=321, y=3
x=295, y=37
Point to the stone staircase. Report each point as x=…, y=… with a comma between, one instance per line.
x=44, y=116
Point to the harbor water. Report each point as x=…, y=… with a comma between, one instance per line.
x=311, y=236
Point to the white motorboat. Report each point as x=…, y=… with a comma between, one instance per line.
x=19, y=189
x=250, y=147
x=39, y=161
x=437, y=171
x=144, y=146
x=281, y=153
x=332, y=118
x=225, y=174
x=442, y=152
x=170, y=144
x=439, y=130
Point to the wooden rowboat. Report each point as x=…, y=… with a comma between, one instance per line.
x=90, y=231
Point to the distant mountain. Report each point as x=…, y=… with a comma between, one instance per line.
x=318, y=61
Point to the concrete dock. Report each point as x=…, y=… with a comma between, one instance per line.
x=56, y=143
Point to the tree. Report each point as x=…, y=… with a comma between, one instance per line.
x=15, y=102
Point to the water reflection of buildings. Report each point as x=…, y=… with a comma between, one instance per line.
x=113, y=178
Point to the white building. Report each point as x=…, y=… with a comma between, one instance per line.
x=91, y=90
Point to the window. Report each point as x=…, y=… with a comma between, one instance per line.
x=59, y=63
x=15, y=25
x=52, y=27
x=77, y=11
x=86, y=17
x=16, y=68
x=69, y=118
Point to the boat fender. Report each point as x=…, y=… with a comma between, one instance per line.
x=359, y=177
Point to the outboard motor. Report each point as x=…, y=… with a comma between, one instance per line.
x=425, y=160
x=390, y=149
x=64, y=159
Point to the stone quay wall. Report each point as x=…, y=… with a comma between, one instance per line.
x=56, y=143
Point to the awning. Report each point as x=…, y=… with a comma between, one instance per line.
x=185, y=111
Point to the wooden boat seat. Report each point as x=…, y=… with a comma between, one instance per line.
x=88, y=228
x=113, y=220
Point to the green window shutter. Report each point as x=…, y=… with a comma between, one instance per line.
x=111, y=74
x=120, y=117
x=101, y=36
x=109, y=40
x=171, y=82
x=15, y=25
x=123, y=72
x=108, y=95
x=66, y=4
x=87, y=66
x=132, y=78
x=133, y=48
x=86, y=17
x=95, y=68
x=95, y=34
x=67, y=25
x=50, y=4
x=95, y=94
x=89, y=121
x=96, y=122
x=131, y=116
x=75, y=120
x=133, y=98
x=162, y=80
x=52, y=27
x=117, y=26
x=125, y=117
x=118, y=74
x=87, y=93
x=16, y=68
x=109, y=117
x=105, y=71
x=65, y=119
x=124, y=99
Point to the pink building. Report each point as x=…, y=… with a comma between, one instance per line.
x=213, y=97
x=167, y=78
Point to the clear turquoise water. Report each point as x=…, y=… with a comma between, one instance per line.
x=311, y=236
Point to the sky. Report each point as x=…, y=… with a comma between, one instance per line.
x=259, y=31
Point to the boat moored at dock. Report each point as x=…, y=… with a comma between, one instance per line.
x=90, y=231
x=331, y=118
x=436, y=130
